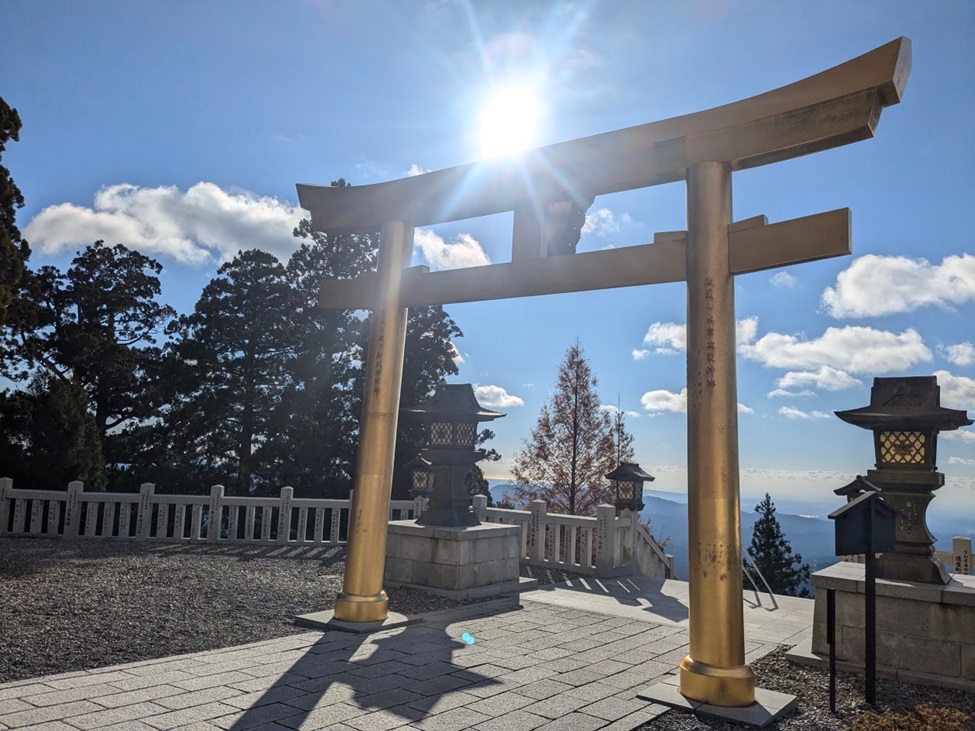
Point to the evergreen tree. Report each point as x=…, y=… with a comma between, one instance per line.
x=784, y=572
x=94, y=326
x=235, y=353
x=14, y=251
x=571, y=448
x=48, y=437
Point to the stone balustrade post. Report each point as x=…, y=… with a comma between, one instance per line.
x=605, y=539
x=480, y=507
x=284, y=514
x=539, y=512
x=6, y=485
x=72, y=509
x=419, y=505
x=215, y=517
x=143, y=520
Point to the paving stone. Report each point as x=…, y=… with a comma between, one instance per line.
x=112, y=716
x=37, y=716
x=386, y=698
x=500, y=704
x=210, y=680
x=321, y=718
x=574, y=722
x=52, y=726
x=542, y=689
x=256, y=684
x=439, y=704
x=275, y=694
x=439, y=685
x=379, y=721
x=430, y=670
x=140, y=726
x=135, y=682
x=19, y=690
x=198, y=698
x=613, y=708
x=515, y=721
x=81, y=681
x=592, y=692
x=581, y=676
x=557, y=706
x=137, y=696
x=189, y=715
x=13, y=705
x=453, y=720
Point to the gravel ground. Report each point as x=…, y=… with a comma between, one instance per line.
x=811, y=687
x=70, y=605
x=76, y=605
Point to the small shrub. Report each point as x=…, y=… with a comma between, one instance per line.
x=923, y=717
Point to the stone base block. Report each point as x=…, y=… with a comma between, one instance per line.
x=769, y=705
x=479, y=560
x=326, y=621
x=925, y=632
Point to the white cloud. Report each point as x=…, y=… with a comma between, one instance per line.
x=661, y=401
x=957, y=392
x=962, y=354
x=825, y=378
x=463, y=251
x=961, y=460
x=746, y=330
x=416, y=170
x=670, y=338
x=852, y=349
x=790, y=412
x=782, y=392
x=615, y=410
x=603, y=221
x=496, y=397
x=959, y=435
x=884, y=285
x=456, y=355
x=783, y=279
x=195, y=227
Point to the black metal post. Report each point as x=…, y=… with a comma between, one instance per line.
x=870, y=618
x=831, y=640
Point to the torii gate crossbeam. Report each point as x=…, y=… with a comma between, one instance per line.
x=547, y=189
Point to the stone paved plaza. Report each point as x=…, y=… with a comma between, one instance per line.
x=572, y=656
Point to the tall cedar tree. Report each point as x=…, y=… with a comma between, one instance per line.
x=772, y=553
x=95, y=327
x=571, y=448
x=235, y=349
x=14, y=251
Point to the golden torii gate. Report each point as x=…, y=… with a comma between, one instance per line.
x=549, y=189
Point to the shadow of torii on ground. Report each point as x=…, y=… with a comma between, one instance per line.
x=403, y=673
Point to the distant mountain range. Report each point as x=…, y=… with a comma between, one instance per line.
x=811, y=535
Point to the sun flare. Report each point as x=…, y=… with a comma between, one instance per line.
x=508, y=121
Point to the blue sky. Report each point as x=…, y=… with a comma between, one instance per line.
x=181, y=128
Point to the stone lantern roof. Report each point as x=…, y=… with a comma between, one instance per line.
x=453, y=402
x=629, y=472
x=905, y=403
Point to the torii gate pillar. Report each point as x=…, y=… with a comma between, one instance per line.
x=715, y=667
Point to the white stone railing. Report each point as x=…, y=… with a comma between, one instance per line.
x=147, y=515
x=604, y=546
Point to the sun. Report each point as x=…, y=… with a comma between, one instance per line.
x=508, y=121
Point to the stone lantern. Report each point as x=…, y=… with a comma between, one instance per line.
x=421, y=480
x=628, y=479
x=451, y=417
x=905, y=416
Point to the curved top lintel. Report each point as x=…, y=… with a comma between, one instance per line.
x=832, y=108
